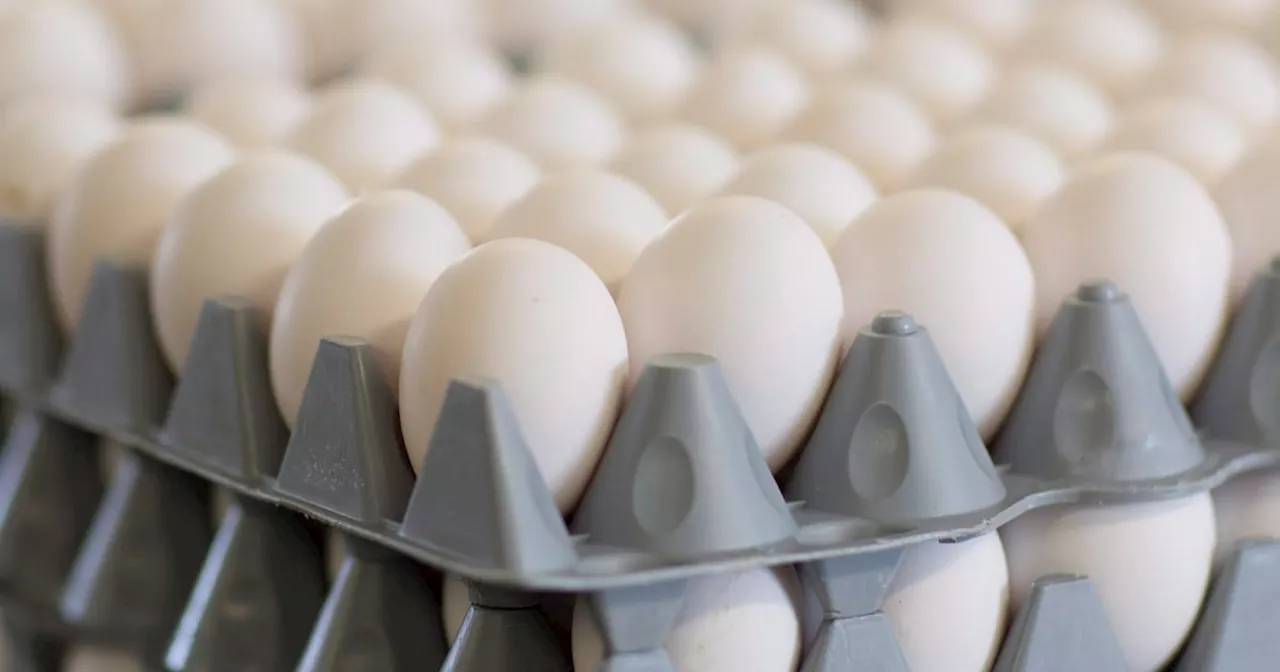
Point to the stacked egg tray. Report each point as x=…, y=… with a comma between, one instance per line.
x=682, y=490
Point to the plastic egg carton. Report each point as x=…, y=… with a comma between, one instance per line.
x=681, y=491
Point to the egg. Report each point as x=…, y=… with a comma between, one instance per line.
x=1192, y=133
x=679, y=164
x=716, y=22
x=1060, y=106
x=458, y=79
x=557, y=122
x=44, y=140
x=529, y=25
x=1149, y=563
x=744, y=280
x=92, y=659
x=1006, y=169
x=1246, y=507
x=334, y=34
x=1250, y=204
x=642, y=64
x=930, y=252
x=474, y=178
x=455, y=600
x=252, y=111
x=538, y=321
x=1112, y=42
x=939, y=65
x=824, y=37
x=1000, y=24
x=883, y=132
x=237, y=235
x=63, y=48
x=397, y=20
x=361, y=275
x=814, y=182
x=604, y=219
x=748, y=95
x=1148, y=225
x=1240, y=15
x=119, y=200
x=1225, y=70
x=745, y=620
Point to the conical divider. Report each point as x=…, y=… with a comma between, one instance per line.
x=30, y=337
x=850, y=591
x=1097, y=405
x=257, y=597
x=345, y=454
x=141, y=558
x=682, y=477
x=1236, y=630
x=480, y=495
x=113, y=375
x=223, y=414
x=858, y=643
x=380, y=615
x=49, y=490
x=504, y=631
x=894, y=442
x=634, y=623
x=1061, y=628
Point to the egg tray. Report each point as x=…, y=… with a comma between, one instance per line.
x=1096, y=422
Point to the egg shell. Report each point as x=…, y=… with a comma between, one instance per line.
x=1148, y=225
x=458, y=79
x=717, y=22
x=935, y=62
x=812, y=181
x=951, y=263
x=334, y=34
x=1225, y=70
x=748, y=95
x=1000, y=24
x=65, y=48
x=1114, y=43
x=427, y=20
x=92, y=659
x=474, y=178
x=119, y=200
x=558, y=123
x=252, y=111
x=678, y=164
x=538, y=321
x=1238, y=15
x=529, y=25
x=746, y=620
x=455, y=600
x=744, y=280
x=1197, y=136
x=1149, y=563
x=237, y=235
x=365, y=131
x=824, y=37
x=1004, y=168
x=1246, y=507
x=44, y=140
x=874, y=125
x=361, y=275
x=1060, y=106
x=1250, y=204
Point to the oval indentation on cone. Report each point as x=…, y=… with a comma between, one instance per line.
x=879, y=453
x=1084, y=420
x=662, y=492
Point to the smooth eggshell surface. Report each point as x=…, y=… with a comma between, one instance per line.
x=1242, y=15
x=237, y=235
x=746, y=281
x=87, y=659
x=1056, y=104
x=950, y=262
x=538, y=321
x=1246, y=507
x=814, y=182
x=252, y=111
x=1190, y=132
x=730, y=622
x=362, y=275
x=748, y=95
x=64, y=48
x=458, y=79
x=527, y=25
x=557, y=122
x=474, y=178
x=119, y=201
x=1225, y=70
x=935, y=62
x=1000, y=24
x=823, y=37
x=1114, y=43
x=1149, y=562
x=455, y=600
x=1250, y=203
x=678, y=164
x=1148, y=225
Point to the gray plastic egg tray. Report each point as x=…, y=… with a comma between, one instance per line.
x=681, y=491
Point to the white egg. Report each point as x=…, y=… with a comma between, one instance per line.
x=118, y=202
x=1240, y=15
x=537, y=320
x=748, y=96
x=679, y=164
x=474, y=178
x=1053, y=102
x=427, y=20
x=1147, y=224
x=1246, y=507
x=1001, y=24
x=932, y=253
x=455, y=600
x=1149, y=562
x=1250, y=204
x=1225, y=70
x=1004, y=168
x=365, y=131
x=814, y=182
x=362, y=275
x=252, y=111
x=604, y=219
x=237, y=235
x=528, y=25
x=458, y=79
x=1112, y=42
x=334, y=34
x=91, y=659
x=883, y=132
x=558, y=123
x=745, y=280
x=1190, y=132
x=64, y=48
x=824, y=37
x=746, y=620
x=935, y=62
x=716, y=21
x=44, y=140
